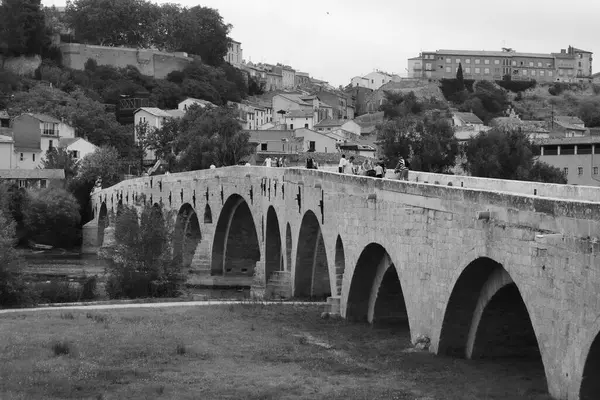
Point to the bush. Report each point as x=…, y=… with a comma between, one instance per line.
x=596, y=89
x=56, y=292
x=13, y=291
x=517, y=86
x=52, y=217
x=63, y=348
x=142, y=265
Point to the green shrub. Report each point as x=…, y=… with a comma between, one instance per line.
x=13, y=291
x=57, y=291
x=52, y=217
x=89, y=288
x=517, y=86
x=142, y=265
x=63, y=348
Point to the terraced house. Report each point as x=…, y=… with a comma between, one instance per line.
x=568, y=65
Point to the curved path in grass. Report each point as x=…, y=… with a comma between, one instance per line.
x=95, y=306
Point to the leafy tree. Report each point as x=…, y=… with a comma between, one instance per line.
x=211, y=136
x=255, y=88
x=163, y=142
x=142, y=265
x=52, y=217
x=104, y=163
x=205, y=34
x=143, y=143
x=507, y=154
x=13, y=291
x=60, y=158
x=460, y=79
x=589, y=111
x=22, y=27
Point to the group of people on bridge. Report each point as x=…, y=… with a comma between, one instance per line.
x=375, y=169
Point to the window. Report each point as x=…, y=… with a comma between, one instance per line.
x=291, y=126
x=458, y=61
x=497, y=62
x=21, y=158
x=448, y=69
x=50, y=144
x=372, y=81
x=549, y=73
x=486, y=62
x=550, y=150
x=468, y=61
x=524, y=72
x=311, y=146
x=477, y=70
x=43, y=184
x=542, y=72
x=579, y=170
x=567, y=150
x=514, y=63
x=584, y=149
x=50, y=129
x=75, y=154
x=531, y=63
x=448, y=60
x=22, y=183
x=595, y=170
x=468, y=70
x=566, y=171
x=477, y=61
x=33, y=155
x=579, y=64
x=539, y=65
x=263, y=147
x=486, y=71
x=306, y=126
x=533, y=72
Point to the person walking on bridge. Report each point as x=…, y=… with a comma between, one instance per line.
x=401, y=169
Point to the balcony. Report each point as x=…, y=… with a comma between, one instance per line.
x=50, y=132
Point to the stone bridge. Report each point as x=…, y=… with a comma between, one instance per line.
x=481, y=267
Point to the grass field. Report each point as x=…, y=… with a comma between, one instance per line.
x=235, y=352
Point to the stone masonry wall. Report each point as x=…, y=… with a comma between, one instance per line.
x=432, y=233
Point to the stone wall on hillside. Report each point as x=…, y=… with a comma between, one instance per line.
x=23, y=65
x=149, y=62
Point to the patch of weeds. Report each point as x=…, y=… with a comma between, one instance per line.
x=180, y=349
x=63, y=348
x=67, y=316
x=97, y=318
x=302, y=340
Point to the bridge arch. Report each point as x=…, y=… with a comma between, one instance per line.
x=103, y=222
x=187, y=235
x=235, y=248
x=273, y=253
x=590, y=384
x=311, y=277
x=340, y=264
x=376, y=294
x=288, y=247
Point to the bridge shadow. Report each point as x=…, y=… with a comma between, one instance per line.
x=486, y=321
x=590, y=384
x=376, y=295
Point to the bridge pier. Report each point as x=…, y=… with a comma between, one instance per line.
x=89, y=244
x=200, y=268
x=258, y=288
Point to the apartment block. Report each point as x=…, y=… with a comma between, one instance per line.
x=569, y=65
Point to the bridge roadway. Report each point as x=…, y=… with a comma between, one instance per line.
x=481, y=267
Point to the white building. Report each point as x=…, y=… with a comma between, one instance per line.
x=374, y=80
x=155, y=118
x=185, y=104
x=78, y=148
x=7, y=152
x=296, y=119
x=234, y=53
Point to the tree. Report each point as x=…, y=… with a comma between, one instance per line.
x=22, y=27
x=13, y=291
x=113, y=22
x=163, y=142
x=210, y=136
x=460, y=79
x=255, y=88
x=52, y=217
x=589, y=111
x=142, y=264
x=142, y=141
x=205, y=34
x=507, y=154
x=104, y=163
x=60, y=158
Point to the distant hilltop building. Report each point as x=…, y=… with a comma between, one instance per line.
x=374, y=80
x=570, y=65
x=234, y=54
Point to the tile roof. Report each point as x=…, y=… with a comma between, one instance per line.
x=66, y=142
x=25, y=149
x=32, y=173
x=154, y=111
x=487, y=53
x=299, y=113
x=175, y=113
x=44, y=118
x=6, y=139
x=331, y=123
x=468, y=118
x=296, y=98
x=205, y=102
x=568, y=120
x=370, y=118
x=570, y=140
x=570, y=126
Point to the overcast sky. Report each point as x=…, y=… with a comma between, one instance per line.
x=335, y=40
